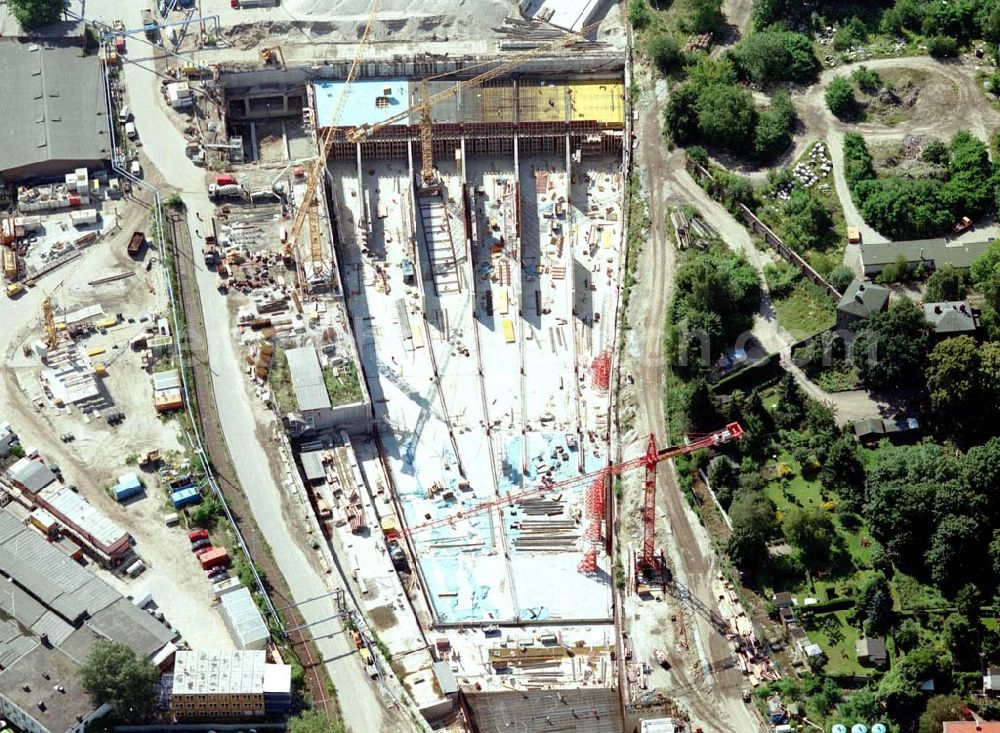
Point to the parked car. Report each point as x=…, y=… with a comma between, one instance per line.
x=198, y=534
x=199, y=544
x=224, y=575
x=216, y=571
x=201, y=551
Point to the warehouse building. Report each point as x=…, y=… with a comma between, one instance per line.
x=52, y=612
x=929, y=254
x=243, y=619
x=310, y=388
x=60, y=120
x=227, y=684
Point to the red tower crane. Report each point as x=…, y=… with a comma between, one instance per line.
x=647, y=561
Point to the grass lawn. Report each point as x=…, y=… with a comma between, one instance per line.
x=841, y=655
x=805, y=311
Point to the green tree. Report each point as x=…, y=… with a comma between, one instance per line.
x=899, y=690
x=876, y=605
x=754, y=522
x=935, y=152
x=891, y=346
x=844, y=474
x=807, y=222
x=904, y=208
x=840, y=98
x=32, y=14
x=840, y=277
x=954, y=550
x=812, y=532
x=776, y=55
x=775, y=125
x=858, y=165
x=314, y=721
x=114, y=674
x=664, y=51
x=701, y=411
x=907, y=635
x=942, y=47
x=962, y=641
x=953, y=385
x=639, y=14
x=726, y=117
x=969, y=189
x=947, y=283
x=939, y=709
x=680, y=118
x=867, y=79
x=703, y=16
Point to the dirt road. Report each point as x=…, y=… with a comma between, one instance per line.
x=701, y=679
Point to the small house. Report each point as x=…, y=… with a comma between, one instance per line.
x=787, y=617
x=952, y=319
x=783, y=599
x=871, y=651
x=861, y=301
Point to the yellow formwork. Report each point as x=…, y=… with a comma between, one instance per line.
x=601, y=101
x=496, y=103
x=537, y=102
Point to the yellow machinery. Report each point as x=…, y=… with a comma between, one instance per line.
x=51, y=337
x=427, y=101
x=316, y=171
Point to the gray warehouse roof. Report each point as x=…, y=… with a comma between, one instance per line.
x=936, y=252
x=307, y=379
x=33, y=475
x=59, y=112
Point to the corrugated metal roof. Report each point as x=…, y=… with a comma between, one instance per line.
x=60, y=111
x=169, y=379
x=53, y=626
x=13, y=645
x=85, y=515
x=312, y=465
x=307, y=379
x=244, y=620
x=34, y=475
x=445, y=677
x=122, y=621
x=17, y=603
x=10, y=527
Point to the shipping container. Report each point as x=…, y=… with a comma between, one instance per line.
x=172, y=519
x=126, y=491
x=214, y=557
x=83, y=217
x=225, y=180
x=143, y=600
x=135, y=568
x=136, y=242
x=185, y=497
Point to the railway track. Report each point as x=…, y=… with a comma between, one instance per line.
x=215, y=445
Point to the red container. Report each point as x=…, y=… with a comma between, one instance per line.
x=225, y=180
x=215, y=556
x=74, y=200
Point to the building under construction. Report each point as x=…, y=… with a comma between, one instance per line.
x=482, y=291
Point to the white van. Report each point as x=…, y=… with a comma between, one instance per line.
x=135, y=568
x=130, y=132
x=124, y=114
x=135, y=169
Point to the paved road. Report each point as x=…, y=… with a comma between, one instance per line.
x=362, y=708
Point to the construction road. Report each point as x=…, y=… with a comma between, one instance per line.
x=363, y=708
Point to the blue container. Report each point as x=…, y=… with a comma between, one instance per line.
x=185, y=497
x=124, y=491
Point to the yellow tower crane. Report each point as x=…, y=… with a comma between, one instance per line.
x=427, y=100
x=316, y=170
x=51, y=336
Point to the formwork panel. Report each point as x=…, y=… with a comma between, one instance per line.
x=491, y=103
x=444, y=111
x=541, y=102
x=603, y=101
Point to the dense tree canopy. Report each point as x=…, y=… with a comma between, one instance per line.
x=32, y=14
x=806, y=221
x=775, y=55
x=947, y=283
x=840, y=98
x=891, y=346
x=811, y=531
x=754, y=522
x=114, y=674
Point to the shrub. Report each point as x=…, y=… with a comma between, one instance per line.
x=840, y=277
x=840, y=98
x=935, y=152
x=773, y=132
x=638, y=14
x=776, y=55
x=867, y=79
x=942, y=47
x=664, y=51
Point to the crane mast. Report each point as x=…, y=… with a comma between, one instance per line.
x=316, y=171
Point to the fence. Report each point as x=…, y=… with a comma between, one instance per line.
x=761, y=229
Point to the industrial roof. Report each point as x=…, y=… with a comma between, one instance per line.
x=445, y=677
x=84, y=515
x=33, y=475
x=60, y=110
x=863, y=299
x=951, y=317
x=169, y=379
x=367, y=101
x=307, y=379
x=219, y=672
x=123, y=621
x=938, y=252
x=246, y=624
x=312, y=465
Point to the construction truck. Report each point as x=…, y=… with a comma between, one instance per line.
x=135, y=243
x=225, y=186
x=211, y=254
x=15, y=289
